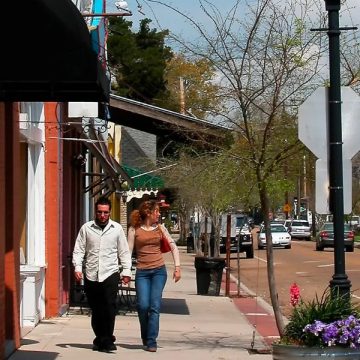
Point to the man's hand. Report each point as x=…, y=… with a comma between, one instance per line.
x=78, y=276
x=126, y=280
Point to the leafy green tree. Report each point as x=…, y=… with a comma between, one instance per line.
x=138, y=60
x=192, y=87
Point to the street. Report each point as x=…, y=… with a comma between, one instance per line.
x=311, y=270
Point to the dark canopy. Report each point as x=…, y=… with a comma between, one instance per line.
x=47, y=54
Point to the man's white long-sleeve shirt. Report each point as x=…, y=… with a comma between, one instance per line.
x=101, y=251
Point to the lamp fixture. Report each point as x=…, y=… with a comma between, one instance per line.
x=123, y=192
x=124, y=197
x=120, y=5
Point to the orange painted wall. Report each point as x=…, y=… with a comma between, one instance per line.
x=52, y=238
x=72, y=187
x=2, y=230
x=9, y=175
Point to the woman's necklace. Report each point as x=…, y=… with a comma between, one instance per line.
x=148, y=228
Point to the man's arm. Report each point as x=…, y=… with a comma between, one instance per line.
x=79, y=253
x=124, y=254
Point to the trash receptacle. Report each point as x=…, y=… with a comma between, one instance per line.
x=209, y=275
x=190, y=244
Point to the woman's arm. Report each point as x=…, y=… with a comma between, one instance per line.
x=131, y=239
x=174, y=252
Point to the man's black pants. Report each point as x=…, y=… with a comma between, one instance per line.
x=102, y=301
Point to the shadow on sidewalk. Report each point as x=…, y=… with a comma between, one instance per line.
x=35, y=355
x=174, y=306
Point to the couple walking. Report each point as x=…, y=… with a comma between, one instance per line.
x=101, y=247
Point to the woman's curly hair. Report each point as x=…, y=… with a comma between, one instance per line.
x=137, y=217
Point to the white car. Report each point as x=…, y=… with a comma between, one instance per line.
x=280, y=237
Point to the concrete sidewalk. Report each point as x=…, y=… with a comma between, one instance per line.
x=191, y=326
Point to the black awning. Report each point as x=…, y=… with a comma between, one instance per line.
x=47, y=54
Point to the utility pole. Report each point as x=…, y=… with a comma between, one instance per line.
x=332, y=156
x=182, y=95
x=340, y=284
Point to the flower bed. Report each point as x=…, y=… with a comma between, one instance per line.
x=345, y=333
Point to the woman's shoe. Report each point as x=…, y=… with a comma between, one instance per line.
x=151, y=349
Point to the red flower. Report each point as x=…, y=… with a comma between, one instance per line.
x=294, y=294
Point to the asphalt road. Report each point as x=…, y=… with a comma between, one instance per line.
x=311, y=270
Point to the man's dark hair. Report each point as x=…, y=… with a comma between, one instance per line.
x=103, y=200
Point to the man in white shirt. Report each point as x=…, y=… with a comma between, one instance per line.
x=100, y=248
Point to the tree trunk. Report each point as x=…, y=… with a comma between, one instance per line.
x=264, y=199
x=184, y=222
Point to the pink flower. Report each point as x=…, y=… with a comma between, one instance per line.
x=294, y=294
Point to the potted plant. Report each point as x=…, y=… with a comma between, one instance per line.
x=328, y=326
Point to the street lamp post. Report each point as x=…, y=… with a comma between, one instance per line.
x=340, y=282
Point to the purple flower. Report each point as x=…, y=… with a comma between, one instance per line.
x=345, y=332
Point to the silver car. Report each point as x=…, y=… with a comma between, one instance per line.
x=325, y=237
x=300, y=229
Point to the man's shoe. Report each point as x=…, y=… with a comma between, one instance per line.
x=108, y=348
x=96, y=344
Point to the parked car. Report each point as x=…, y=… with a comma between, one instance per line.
x=245, y=240
x=280, y=237
x=241, y=238
x=287, y=223
x=325, y=237
x=355, y=222
x=300, y=229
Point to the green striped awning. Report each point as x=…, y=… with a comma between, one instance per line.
x=145, y=181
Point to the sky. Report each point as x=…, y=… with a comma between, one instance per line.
x=164, y=18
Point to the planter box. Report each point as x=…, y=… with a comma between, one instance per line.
x=290, y=352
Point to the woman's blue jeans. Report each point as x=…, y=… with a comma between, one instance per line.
x=149, y=285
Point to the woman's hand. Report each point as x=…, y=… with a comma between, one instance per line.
x=177, y=274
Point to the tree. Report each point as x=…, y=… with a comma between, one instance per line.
x=191, y=86
x=208, y=182
x=138, y=60
x=267, y=59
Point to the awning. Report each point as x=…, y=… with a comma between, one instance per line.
x=113, y=175
x=47, y=54
x=141, y=180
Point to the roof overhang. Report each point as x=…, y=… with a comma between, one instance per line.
x=162, y=122
x=47, y=54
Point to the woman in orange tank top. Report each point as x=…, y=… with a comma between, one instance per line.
x=144, y=238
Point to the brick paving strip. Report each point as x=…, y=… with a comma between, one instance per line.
x=258, y=313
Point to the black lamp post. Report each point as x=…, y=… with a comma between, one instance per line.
x=340, y=284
